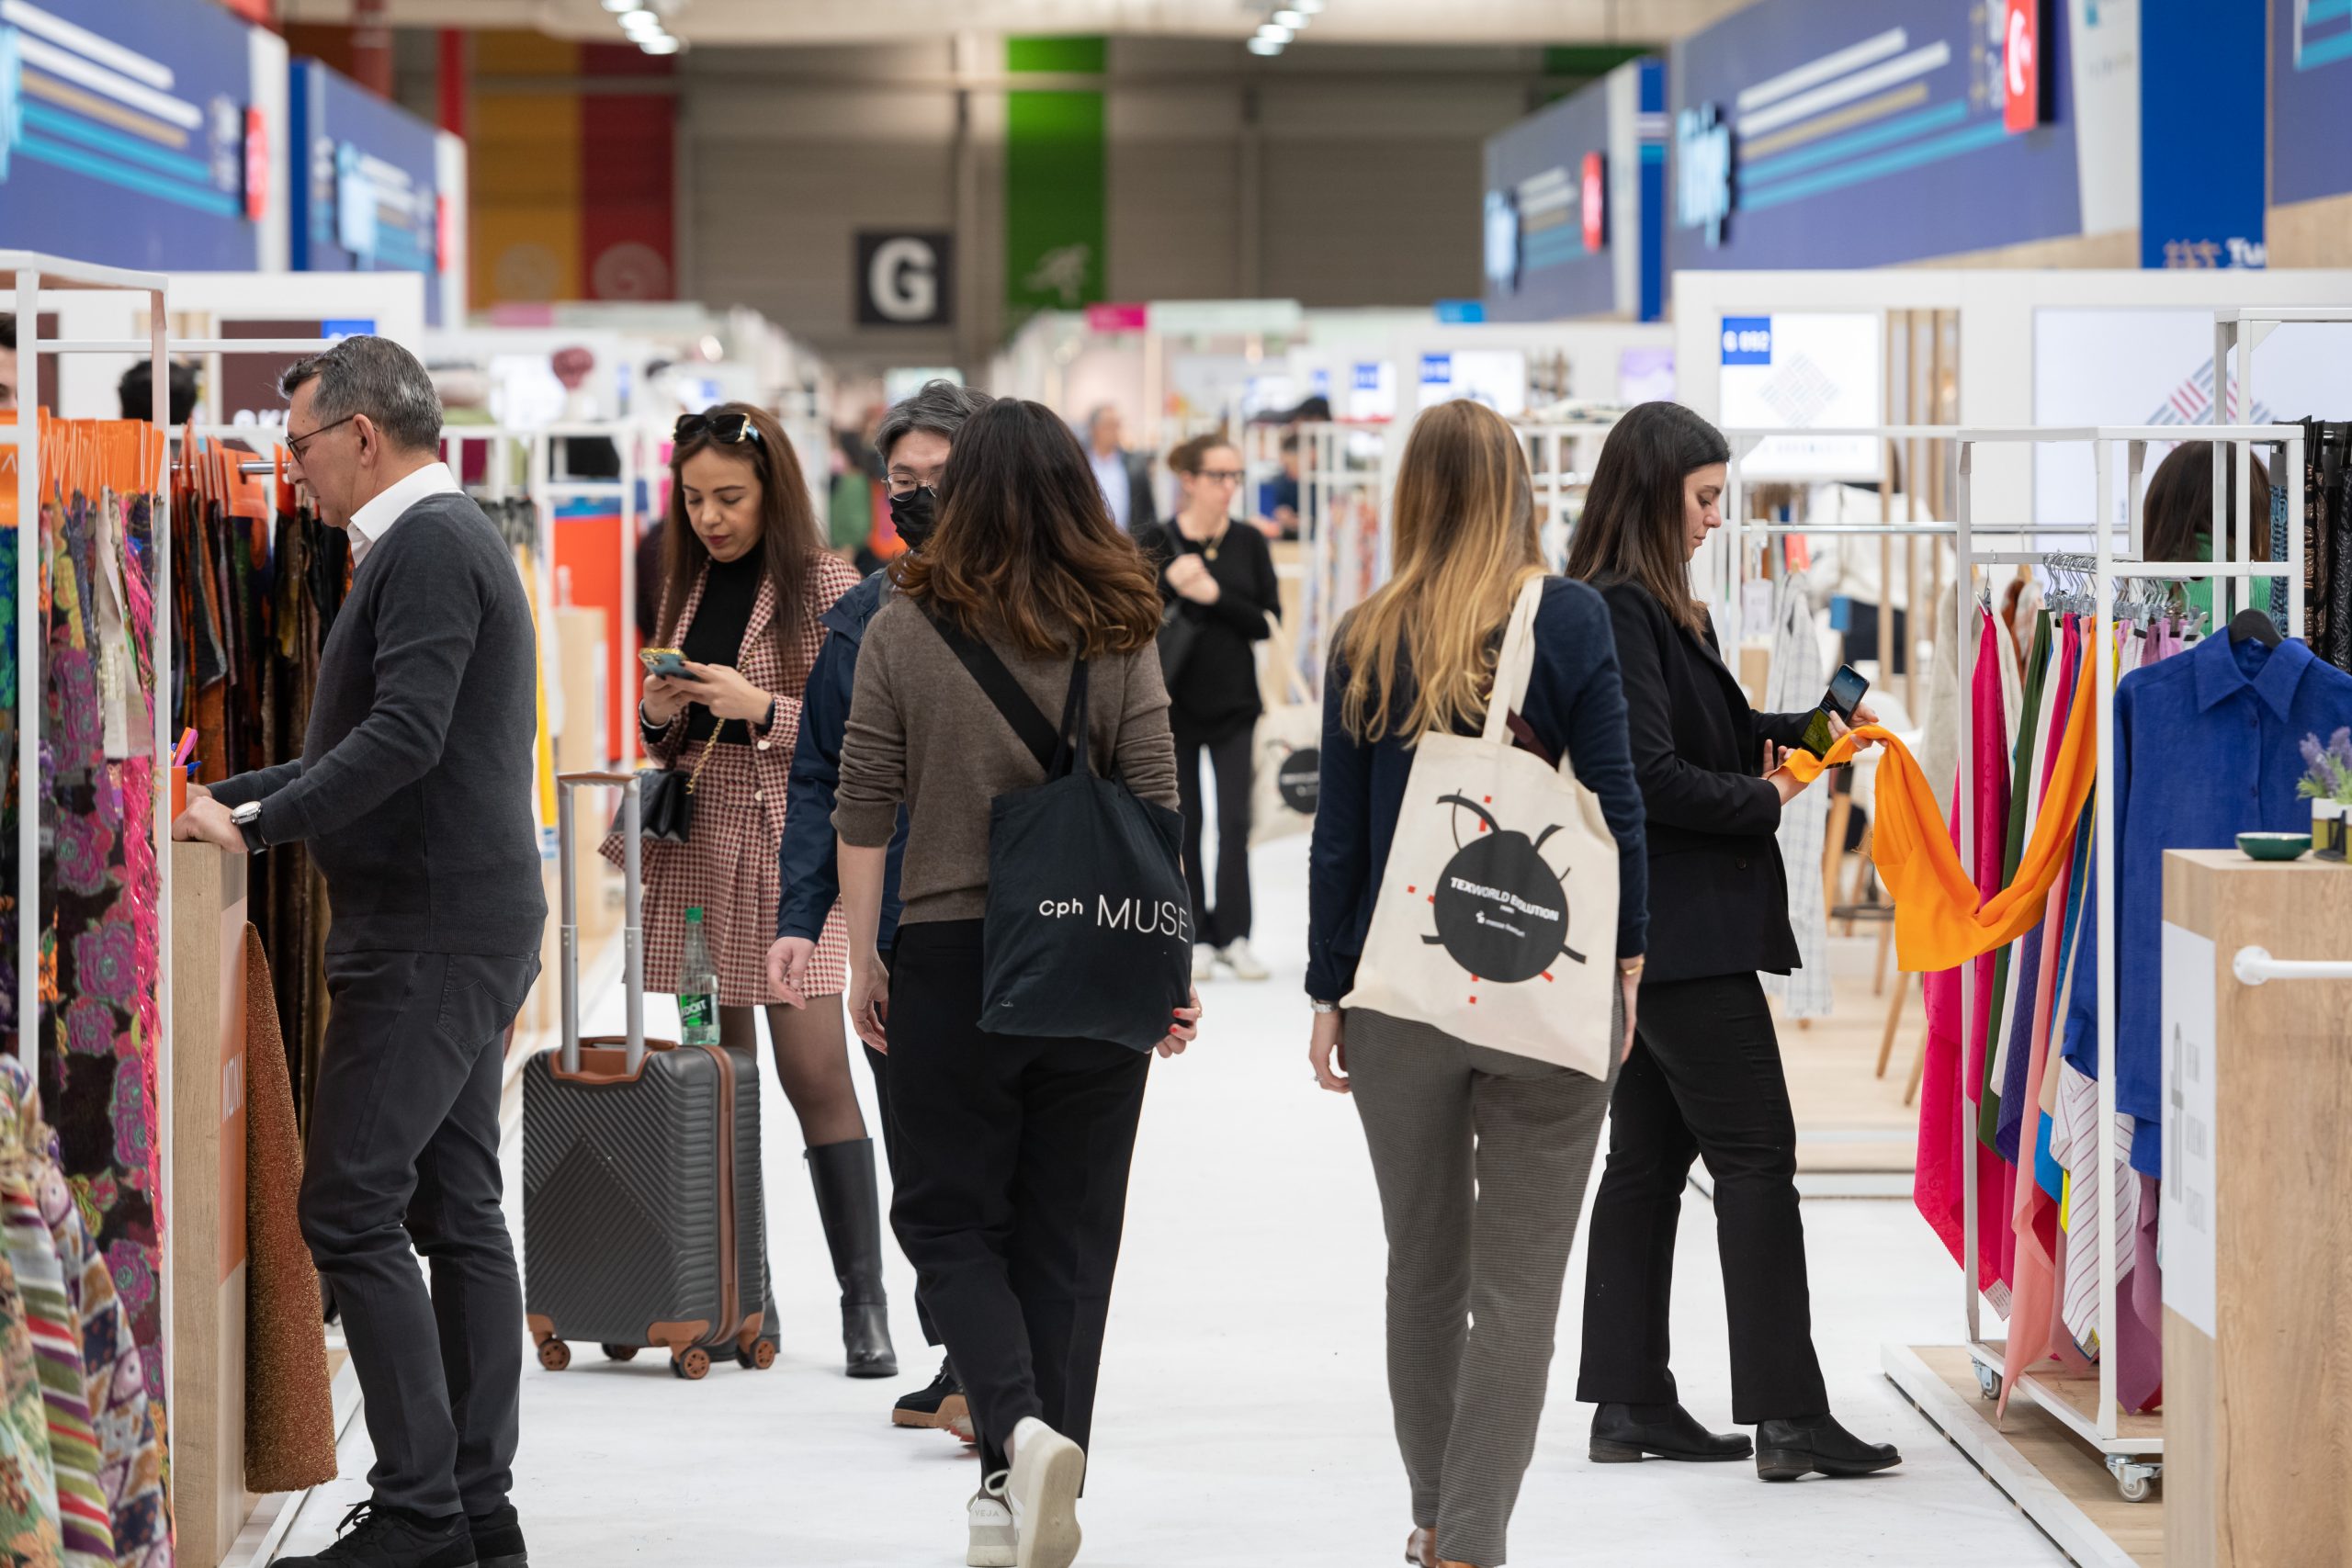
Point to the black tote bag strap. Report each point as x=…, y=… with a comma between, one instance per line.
x=1011, y=699
x=1069, y=755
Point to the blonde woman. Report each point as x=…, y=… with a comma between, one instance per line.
x=1481, y=1157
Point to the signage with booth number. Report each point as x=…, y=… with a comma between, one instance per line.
x=906, y=279
x=2021, y=65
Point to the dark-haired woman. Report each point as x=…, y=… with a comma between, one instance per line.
x=1220, y=582
x=748, y=577
x=1705, y=1080
x=2179, y=517
x=1014, y=1150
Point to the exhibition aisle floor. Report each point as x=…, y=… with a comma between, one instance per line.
x=1244, y=1415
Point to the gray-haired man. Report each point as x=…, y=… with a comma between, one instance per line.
x=414, y=794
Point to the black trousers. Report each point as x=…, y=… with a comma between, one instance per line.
x=1011, y=1187
x=1704, y=1082
x=1227, y=919
x=880, y=1065
x=404, y=1151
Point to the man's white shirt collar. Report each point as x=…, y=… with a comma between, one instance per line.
x=373, y=520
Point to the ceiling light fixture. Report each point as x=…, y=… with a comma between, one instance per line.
x=1292, y=20
x=1265, y=46
x=640, y=24
x=662, y=44
x=1275, y=32
x=1311, y=7
x=623, y=4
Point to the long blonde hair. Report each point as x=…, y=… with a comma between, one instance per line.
x=1465, y=544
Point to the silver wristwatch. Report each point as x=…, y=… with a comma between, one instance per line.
x=1323, y=1007
x=247, y=818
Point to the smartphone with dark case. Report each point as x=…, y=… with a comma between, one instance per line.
x=1845, y=694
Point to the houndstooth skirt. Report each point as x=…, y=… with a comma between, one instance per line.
x=728, y=867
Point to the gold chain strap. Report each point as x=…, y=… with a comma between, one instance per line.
x=708, y=748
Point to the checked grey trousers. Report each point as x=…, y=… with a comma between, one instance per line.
x=1482, y=1159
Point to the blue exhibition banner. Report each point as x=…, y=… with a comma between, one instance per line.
x=2202, y=200
x=2311, y=99
x=124, y=133
x=1851, y=133
x=365, y=197
x=1538, y=265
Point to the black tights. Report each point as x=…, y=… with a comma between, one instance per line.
x=811, y=1062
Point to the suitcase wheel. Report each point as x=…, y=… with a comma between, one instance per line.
x=759, y=1358
x=554, y=1355
x=620, y=1352
x=694, y=1365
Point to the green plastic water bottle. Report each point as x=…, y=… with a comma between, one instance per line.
x=697, y=986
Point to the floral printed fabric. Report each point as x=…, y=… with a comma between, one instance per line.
x=28, y=1531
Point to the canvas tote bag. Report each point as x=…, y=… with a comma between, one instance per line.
x=1497, y=918
x=1287, y=755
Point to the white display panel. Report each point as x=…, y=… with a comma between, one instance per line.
x=1495, y=377
x=1372, y=389
x=2100, y=366
x=1798, y=371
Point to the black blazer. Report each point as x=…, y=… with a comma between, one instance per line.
x=1719, y=896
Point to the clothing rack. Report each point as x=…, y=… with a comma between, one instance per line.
x=2135, y=1462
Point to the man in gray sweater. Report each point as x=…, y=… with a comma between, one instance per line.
x=413, y=794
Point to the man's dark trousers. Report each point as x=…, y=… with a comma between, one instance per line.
x=403, y=1148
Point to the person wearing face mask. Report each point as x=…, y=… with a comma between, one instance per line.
x=1218, y=582
x=747, y=581
x=1704, y=1076
x=913, y=441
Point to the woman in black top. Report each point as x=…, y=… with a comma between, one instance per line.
x=1704, y=1076
x=1219, y=581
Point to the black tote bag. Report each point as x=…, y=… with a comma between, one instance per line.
x=1089, y=932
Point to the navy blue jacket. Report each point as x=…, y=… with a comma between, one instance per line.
x=1575, y=704
x=808, y=861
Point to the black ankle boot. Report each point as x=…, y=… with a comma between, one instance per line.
x=1626, y=1434
x=850, y=1208
x=1786, y=1449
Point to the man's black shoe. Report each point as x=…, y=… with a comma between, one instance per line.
x=1627, y=1434
x=373, y=1535
x=1786, y=1449
x=498, y=1538
x=937, y=1406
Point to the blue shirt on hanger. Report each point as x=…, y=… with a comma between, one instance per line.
x=2208, y=745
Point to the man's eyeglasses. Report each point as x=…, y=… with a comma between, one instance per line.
x=295, y=443
x=731, y=428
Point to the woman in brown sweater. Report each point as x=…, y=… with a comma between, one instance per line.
x=1011, y=1185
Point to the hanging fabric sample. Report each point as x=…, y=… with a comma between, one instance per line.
x=1794, y=684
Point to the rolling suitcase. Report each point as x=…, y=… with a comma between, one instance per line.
x=643, y=1224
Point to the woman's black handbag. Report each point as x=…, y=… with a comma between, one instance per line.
x=1089, y=923
x=666, y=797
x=1178, y=634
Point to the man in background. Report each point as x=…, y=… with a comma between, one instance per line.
x=137, y=390
x=1125, y=476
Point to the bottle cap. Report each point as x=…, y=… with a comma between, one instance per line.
x=693, y=914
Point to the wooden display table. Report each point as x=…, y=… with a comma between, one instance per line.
x=2257, y=1221
x=210, y=1503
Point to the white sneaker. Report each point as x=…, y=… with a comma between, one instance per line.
x=993, y=1542
x=1203, y=961
x=1048, y=1469
x=1245, y=964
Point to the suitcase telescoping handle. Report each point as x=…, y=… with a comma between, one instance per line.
x=632, y=929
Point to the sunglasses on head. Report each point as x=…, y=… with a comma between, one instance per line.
x=731, y=428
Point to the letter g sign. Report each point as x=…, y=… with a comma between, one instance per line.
x=906, y=279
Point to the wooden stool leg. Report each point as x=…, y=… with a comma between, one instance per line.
x=1878, y=977
x=1833, y=853
x=1918, y=1069
x=1893, y=1018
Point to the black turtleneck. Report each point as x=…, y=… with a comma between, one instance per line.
x=715, y=636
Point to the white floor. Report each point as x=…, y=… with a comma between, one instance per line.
x=1243, y=1416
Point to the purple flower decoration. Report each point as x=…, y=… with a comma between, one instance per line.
x=81, y=849
x=89, y=1028
x=134, y=1133
x=106, y=961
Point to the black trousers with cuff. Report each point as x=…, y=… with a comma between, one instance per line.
x=403, y=1152
x=1704, y=1082
x=1011, y=1187
x=1221, y=913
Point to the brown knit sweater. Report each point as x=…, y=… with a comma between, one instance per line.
x=921, y=733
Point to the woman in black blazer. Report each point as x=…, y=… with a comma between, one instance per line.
x=1705, y=1078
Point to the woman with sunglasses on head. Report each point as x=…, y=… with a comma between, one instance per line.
x=747, y=580
x=1218, y=582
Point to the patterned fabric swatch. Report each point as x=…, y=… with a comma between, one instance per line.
x=28, y=1532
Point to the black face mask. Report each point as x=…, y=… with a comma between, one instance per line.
x=914, y=513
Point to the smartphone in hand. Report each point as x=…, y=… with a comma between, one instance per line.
x=663, y=661
x=1845, y=694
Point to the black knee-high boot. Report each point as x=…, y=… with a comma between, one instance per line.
x=850, y=1208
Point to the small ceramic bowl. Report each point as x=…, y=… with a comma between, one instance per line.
x=2274, y=846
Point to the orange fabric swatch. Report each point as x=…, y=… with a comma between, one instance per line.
x=1938, y=921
